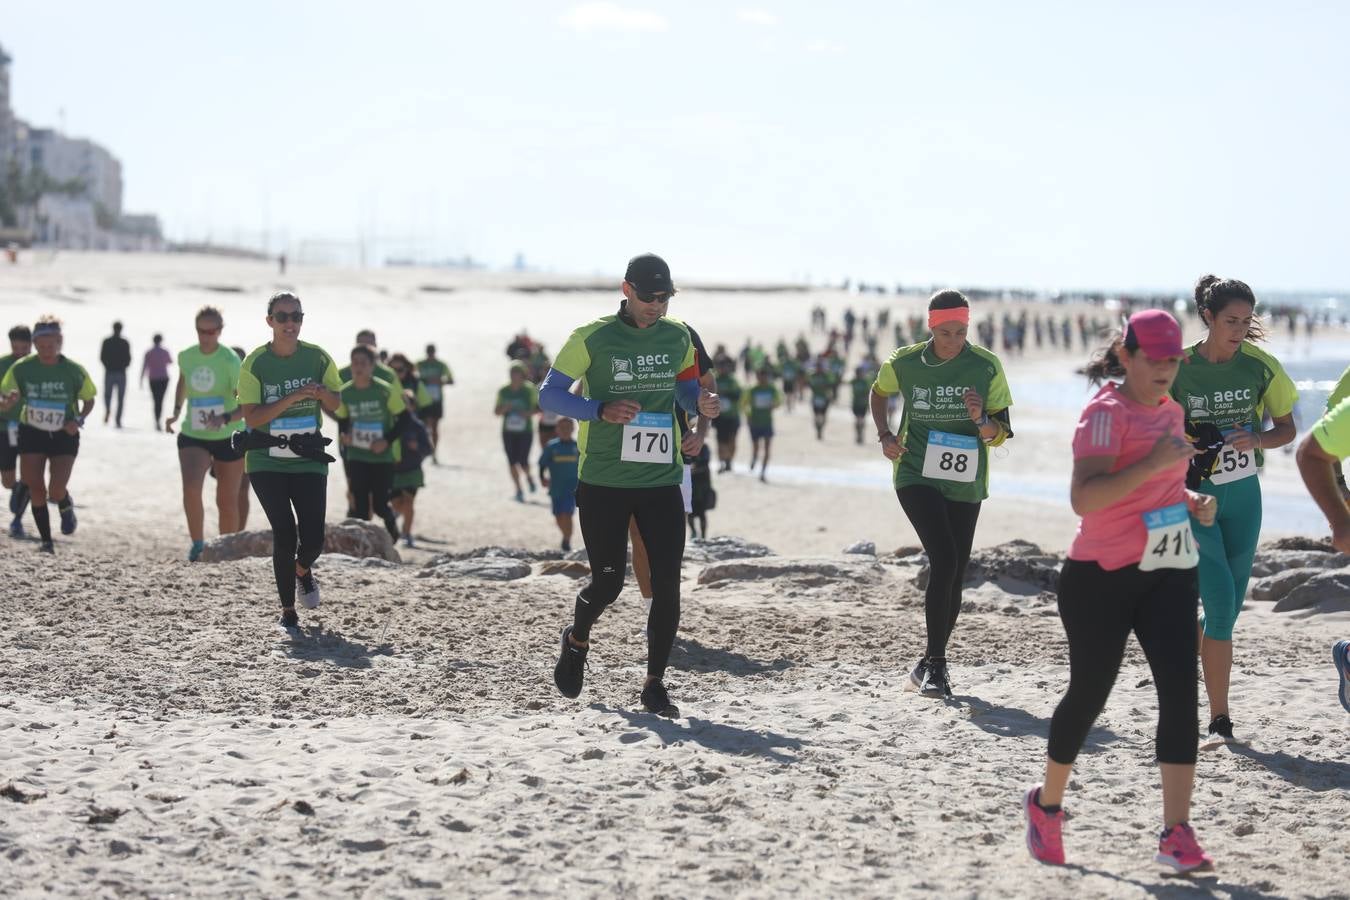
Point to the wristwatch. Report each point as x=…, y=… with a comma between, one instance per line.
x=983, y=420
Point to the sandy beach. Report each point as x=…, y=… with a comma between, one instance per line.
x=161, y=737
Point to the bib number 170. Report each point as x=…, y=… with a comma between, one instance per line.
x=649, y=439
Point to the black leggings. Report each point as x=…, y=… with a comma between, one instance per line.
x=659, y=512
x=157, y=388
x=946, y=528
x=277, y=493
x=370, y=484
x=1099, y=610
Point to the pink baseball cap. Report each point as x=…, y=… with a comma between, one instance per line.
x=1156, y=333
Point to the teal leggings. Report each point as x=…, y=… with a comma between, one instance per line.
x=1227, y=549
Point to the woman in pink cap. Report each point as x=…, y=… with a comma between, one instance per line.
x=1131, y=568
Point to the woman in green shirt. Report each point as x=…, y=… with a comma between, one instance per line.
x=56, y=394
x=728, y=424
x=956, y=400
x=282, y=386
x=371, y=418
x=1230, y=384
x=208, y=385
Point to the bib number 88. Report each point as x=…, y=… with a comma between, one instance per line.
x=953, y=462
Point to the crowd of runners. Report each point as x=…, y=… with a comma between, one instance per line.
x=1164, y=480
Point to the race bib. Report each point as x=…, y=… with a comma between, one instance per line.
x=951, y=457
x=46, y=415
x=819, y=403
x=13, y=430
x=1170, y=544
x=201, y=409
x=434, y=391
x=1233, y=464
x=516, y=423
x=649, y=438
x=762, y=401
x=365, y=434
x=288, y=427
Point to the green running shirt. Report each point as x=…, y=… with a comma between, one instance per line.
x=729, y=389
x=47, y=394
x=264, y=378
x=521, y=404
x=211, y=385
x=1234, y=394
x=373, y=411
x=617, y=361
x=957, y=462
x=758, y=403
x=11, y=414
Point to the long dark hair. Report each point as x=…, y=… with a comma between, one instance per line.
x=1213, y=293
x=1105, y=363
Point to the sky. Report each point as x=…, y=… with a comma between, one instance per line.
x=1111, y=145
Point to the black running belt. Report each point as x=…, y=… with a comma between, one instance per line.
x=1207, y=440
x=308, y=444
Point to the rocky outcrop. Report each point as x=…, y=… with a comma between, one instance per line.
x=723, y=547
x=485, y=568
x=570, y=567
x=350, y=537
x=813, y=571
x=861, y=548
x=1020, y=561
x=1326, y=591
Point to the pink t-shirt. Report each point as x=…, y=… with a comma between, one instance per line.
x=1114, y=425
x=156, y=363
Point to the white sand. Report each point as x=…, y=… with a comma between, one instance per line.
x=417, y=717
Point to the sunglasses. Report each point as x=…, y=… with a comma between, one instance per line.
x=284, y=317
x=654, y=297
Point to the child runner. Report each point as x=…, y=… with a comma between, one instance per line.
x=1131, y=568
x=558, y=472
x=517, y=402
x=371, y=418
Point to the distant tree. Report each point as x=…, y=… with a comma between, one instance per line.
x=21, y=190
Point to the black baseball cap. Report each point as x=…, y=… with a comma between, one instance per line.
x=649, y=274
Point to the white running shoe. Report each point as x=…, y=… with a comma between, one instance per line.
x=307, y=590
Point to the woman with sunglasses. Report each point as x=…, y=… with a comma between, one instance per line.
x=283, y=385
x=56, y=394
x=1228, y=382
x=208, y=385
x=956, y=407
x=635, y=367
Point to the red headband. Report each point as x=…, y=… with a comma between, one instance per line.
x=938, y=317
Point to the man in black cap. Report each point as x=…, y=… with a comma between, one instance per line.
x=638, y=368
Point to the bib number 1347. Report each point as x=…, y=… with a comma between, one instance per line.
x=1170, y=544
x=649, y=438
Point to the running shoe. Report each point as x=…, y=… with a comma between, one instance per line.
x=1178, y=848
x=391, y=526
x=16, y=528
x=1045, y=838
x=1340, y=654
x=570, y=671
x=567, y=546
x=289, y=619
x=195, y=551
x=520, y=496
x=47, y=547
x=18, y=498
x=935, y=682
x=1222, y=726
x=408, y=541
x=68, y=521
x=917, y=675
x=308, y=589
x=533, y=487
x=656, y=700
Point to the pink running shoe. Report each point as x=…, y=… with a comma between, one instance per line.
x=1179, y=849
x=1043, y=830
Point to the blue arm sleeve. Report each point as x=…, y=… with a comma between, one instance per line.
x=555, y=396
x=687, y=393
x=545, y=457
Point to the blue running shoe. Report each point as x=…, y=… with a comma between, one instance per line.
x=1341, y=655
x=195, y=552
x=68, y=521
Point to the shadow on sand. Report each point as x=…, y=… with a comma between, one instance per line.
x=316, y=643
x=1009, y=721
x=692, y=656
x=717, y=736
